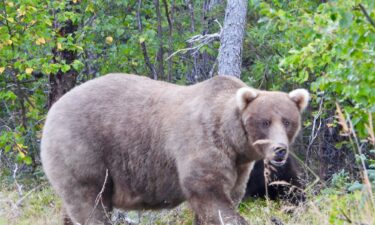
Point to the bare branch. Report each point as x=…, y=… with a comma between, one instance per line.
x=200, y=41
x=98, y=198
x=19, y=187
x=369, y=19
x=315, y=129
x=18, y=203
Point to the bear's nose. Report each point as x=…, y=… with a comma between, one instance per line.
x=280, y=151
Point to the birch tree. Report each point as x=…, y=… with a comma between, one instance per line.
x=231, y=40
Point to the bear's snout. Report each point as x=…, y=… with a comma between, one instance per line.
x=280, y=153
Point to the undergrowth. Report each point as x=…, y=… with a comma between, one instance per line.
x=41, y=206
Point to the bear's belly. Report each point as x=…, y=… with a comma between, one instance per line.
x=149, y=186
x=152, y=199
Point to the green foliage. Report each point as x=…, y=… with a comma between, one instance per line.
x=333, y=48
x=25, y=39
x=104, y=37
x=326, y=47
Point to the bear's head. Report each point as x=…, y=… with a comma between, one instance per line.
x=271, y=120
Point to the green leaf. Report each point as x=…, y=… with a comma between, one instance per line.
x=346, y=19
x=8, y=148
x=27, y=160
x=355, y=186
x=78, y=65
x=65, y=68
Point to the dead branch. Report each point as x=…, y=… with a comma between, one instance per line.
x=347, y=218
x=369, y=19
x=98, y=198
x=266, y=174
x=18, y=203
x=221, y=219
x=317, y=178
x=199, y=41
x=211, y=74
x=315, y=129
x=370, y=129
x=19, y=187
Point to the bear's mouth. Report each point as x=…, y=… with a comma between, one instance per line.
x=278, y=163
x=280, y=155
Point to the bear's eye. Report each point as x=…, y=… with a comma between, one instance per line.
x=286, y=122
x=266, y=123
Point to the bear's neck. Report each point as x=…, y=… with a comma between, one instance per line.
x=234, y=134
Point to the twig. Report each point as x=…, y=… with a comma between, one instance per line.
x=317, y=178
x=346, y=216
x=19, y=187
x=105, y=211
x=221, y=219
x=211, y=74
x=98, y=198
x=262, y=142
x=266, y=174
x=366, y=15
x=366, y=179
x=88, y=22
x=370, y=129
x=28, y=194
x=314, y=134
x=202, y=40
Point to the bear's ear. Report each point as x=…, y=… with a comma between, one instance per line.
x=244, y=96
x=301, y=97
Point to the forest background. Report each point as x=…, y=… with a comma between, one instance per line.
x=327, y=47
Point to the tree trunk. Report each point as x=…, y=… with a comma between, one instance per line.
x=62, y=82
x=191, y=73
x=160, y=53
x=202, y=62
x=169, y=15
x=230, y=52
x=151, y=66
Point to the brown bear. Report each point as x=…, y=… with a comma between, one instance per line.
x=129, y=142
x=282, y=182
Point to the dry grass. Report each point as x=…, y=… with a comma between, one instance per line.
x=40, y=207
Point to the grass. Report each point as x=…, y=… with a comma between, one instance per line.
x=329, y=207
x=41, y=206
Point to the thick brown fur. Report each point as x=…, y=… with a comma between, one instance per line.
x=161, y=144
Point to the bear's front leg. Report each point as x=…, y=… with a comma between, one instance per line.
x=207, y=187
x=243, y=174
x=215, y=212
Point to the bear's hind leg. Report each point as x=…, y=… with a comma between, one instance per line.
x=88, y=204
x=65, y=217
